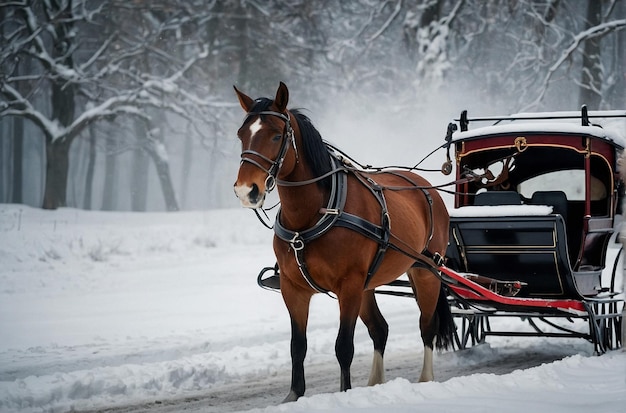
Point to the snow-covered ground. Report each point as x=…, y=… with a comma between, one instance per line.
x=161, y=310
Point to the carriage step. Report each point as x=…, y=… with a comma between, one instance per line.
x=271, y=281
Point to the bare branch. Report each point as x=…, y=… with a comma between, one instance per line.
x=386, y=25
x=593, y=32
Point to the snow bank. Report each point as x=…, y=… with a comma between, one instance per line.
x=576, y=384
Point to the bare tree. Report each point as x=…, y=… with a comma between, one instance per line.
x=529, y=53
x=154, y=77
x=91, y=78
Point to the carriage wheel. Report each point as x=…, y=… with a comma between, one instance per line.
x=609, y=315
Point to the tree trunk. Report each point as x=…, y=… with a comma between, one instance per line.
x=109, y=199
x=591, y=79
x=62, y=100
x=241, y=25
x=18, y=158
x=139, y=180
x=57, y=165
x=91, y=165
x=186, y=172
x=158, y=152
x=5, y=164
x=163, y=172
x=18, y=140
x=616, y=98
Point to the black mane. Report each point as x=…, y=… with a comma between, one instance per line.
x=314, y=148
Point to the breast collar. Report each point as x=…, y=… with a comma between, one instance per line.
x=332, y=212
x=334, y=215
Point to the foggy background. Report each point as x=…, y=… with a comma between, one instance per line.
x=128, y=104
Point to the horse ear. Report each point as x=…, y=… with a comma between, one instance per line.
x=245, y=101
x=282, y=97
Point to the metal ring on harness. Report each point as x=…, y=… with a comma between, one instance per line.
x=270, y=183
x=297, y=243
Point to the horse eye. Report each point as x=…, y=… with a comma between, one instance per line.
x=276, y=138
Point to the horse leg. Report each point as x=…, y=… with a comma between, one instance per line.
x=349, y=306
x=297, y=302
x=378, y=330
x=426, y=288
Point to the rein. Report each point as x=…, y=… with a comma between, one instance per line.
x=347, y=165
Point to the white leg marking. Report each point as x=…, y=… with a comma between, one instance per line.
x=377, y=376
x=427, y=368
x=255, y=127
x=291, y=397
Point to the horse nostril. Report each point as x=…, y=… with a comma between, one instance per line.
x=254, y=192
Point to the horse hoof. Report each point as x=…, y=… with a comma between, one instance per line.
x=291, y=397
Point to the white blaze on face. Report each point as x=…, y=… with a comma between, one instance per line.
x=244, y=192
x=255, y=127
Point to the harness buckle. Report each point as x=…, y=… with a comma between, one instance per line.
x=296, y=242
x=438, y=259
x=330, y=211
x=292, y=137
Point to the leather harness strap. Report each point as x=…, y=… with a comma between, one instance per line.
x=383, y=232
x=297, y=240
x=334, y=215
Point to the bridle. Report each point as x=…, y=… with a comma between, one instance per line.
x=275, y=165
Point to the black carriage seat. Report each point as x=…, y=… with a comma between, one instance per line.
x=532, y=249
x=556, y=199
x=492, y=198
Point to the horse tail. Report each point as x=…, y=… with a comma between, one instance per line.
x=446, y=328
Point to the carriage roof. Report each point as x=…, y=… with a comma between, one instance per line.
x=549, y=148
x=607, y=126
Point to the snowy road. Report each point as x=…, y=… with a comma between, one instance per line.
x=254, y=392
x=127, y=312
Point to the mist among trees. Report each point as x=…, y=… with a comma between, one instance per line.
x=128, y=104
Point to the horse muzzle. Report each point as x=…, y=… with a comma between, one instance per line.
x=250, y=196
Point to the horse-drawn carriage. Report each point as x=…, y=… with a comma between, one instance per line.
x=531, y=233
x=534, y=232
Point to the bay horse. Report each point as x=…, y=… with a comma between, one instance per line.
x=344, y=231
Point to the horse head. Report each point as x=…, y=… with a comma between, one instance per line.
x=266, y=135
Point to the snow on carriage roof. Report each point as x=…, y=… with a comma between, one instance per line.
x=612, y=125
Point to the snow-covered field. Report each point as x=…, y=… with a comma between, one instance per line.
x=161, y=311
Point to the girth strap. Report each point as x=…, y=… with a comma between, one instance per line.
x=381, y=234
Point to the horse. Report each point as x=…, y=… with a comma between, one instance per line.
x=342, y=231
